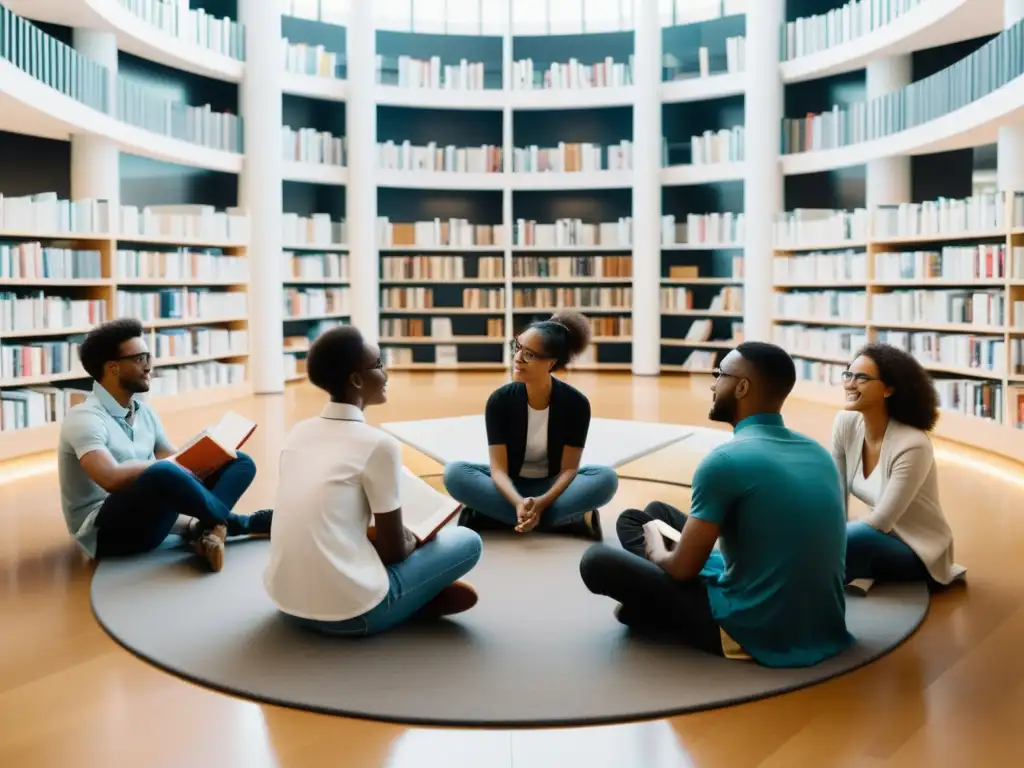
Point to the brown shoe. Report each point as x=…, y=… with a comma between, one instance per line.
x=455, y=598
x=210, y=546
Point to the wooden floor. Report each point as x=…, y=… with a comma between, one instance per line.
x=953, y=695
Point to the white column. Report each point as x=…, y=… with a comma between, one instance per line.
x=361, y=129
x=95, y=160
x=1010, y=162
x=646, y=189
x=888, y=178
x=763, y=186
x=259, y=190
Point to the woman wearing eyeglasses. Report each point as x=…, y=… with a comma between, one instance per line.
x=884, y=456
x=536, y=430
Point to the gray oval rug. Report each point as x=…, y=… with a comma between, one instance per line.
x=537, y=650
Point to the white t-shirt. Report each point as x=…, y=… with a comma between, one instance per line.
x=867, y=489
x=535, y=460
x=336, y=472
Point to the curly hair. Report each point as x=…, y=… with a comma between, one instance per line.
x=103, y=344
x=333, y=357
x=914, y=401
x=566, y=335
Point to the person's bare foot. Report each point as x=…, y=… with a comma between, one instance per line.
x=210, y=546
x=455, y=598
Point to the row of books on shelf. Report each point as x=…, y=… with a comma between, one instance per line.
x=952, y=263
x=724, y=229
x=437, y=232
x=308, y=59
x=724, y=146
x=440, y=268
x=550, y=267
x=39, y=312
x=675, y=298
x=573, y=232
x=48, y=358
x=804, y=226
x=308, y=145
x=573, y=157
x=735, y=61
x=436, y=328
x=315, y=230
x=594, y=297
x=181, y=304
x=38, y=406
x=702, y=330
x=572, y=74
x=143, y=106
x=315, y=266
x=194, y=26
x=210, y=264
x=405, y=156
x=411, y=72
x=307, y=302
x=420, y=297
x=179, y=343
x=823, y=31
x=35, y=261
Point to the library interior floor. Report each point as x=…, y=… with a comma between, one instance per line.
x=953, y=694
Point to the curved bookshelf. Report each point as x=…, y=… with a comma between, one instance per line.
x=314, y=86
x=703, y=88
x=929, y=24
x=28, y=105
x=439, y=98
x=570, y=98
x=441, y=180
x=702, y=173
x=552, y=180
x=315, y=173
x=134, y=34
x=957, y=121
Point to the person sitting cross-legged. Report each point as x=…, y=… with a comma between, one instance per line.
x=122, y=493
x=771, y=498
x=339, y=476
x=536, y=431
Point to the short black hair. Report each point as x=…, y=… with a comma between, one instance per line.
x=776, y=371
x=103, y=344
x=566, y=335
x=913, y=401
x=333, y=356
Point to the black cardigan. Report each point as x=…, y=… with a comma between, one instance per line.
x=507, y=419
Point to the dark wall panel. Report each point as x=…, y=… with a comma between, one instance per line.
x=30, y=165
x=943, y=174
x=299, y=112
x=445, y=126
x=799, y=9
x=592, y=207
x=450, y=48
x=332, y=37
x=726, y=196
x=845, y=188
x=307, y=199
x=681, y=45
x=588, y=49
x=177, y=85
x=407, y=205
x=546, y=129
x=820, y=95
x=150, y=182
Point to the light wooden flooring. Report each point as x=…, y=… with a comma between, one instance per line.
x=953, y=695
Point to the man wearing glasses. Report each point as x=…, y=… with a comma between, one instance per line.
x=122, y=493
x=770, y=497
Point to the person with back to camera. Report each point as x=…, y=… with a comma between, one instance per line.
x=337, y=475
x=536, y=431
x=774, y=591
x=881, y=448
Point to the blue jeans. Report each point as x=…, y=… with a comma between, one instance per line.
x=472, y=485
x=872, y=554
x=138, y=518
x=414, y=582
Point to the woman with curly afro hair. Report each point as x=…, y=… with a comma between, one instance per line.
x=884, y=456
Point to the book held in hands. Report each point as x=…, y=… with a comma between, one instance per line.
x=212, y=448
x=425, y=510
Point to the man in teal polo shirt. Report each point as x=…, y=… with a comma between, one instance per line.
x=121, y=491
x=770, y=497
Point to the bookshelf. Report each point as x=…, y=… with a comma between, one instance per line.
x=942, y=279
x=189, y=290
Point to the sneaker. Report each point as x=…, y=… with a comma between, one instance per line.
x=455, y=598
x=256, y=524
x=210, y=546
x=593, y=522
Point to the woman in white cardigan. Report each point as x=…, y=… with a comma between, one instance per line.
x=884, y=456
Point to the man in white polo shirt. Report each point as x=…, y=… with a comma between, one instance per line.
x=338, y=476
x=121, y=491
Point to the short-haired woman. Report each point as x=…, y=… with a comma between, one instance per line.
x=884, y=456
x=536, y=430
x=338, y=474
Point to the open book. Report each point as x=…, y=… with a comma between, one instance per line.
x=212, y=448
x=859, y=587
x=424, y=510
x=668, y=531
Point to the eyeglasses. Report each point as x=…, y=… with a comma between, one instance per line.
x=859, y=378
x=528, y=355
x=377, y=366
x=142, y=358
x=718, y=373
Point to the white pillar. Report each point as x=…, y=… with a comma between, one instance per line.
x=260, y=190
x=646, y=189
x=361, y=130
x=1010, y=162
x=763, y=186
x=888, y=178
x=95, y=160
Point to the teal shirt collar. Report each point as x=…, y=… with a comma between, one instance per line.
x=107, y=400
x=760, y=419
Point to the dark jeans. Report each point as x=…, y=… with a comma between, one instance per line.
x=650, y=598
x=138, y=518
x=872, y=554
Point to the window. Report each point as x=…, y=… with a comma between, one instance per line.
x=463, y=16
x=603, y=15
x=335, y=11
x=529, y=17
x=394, y=14
x=566, y=17
x=428, y=16
x=494, y=16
